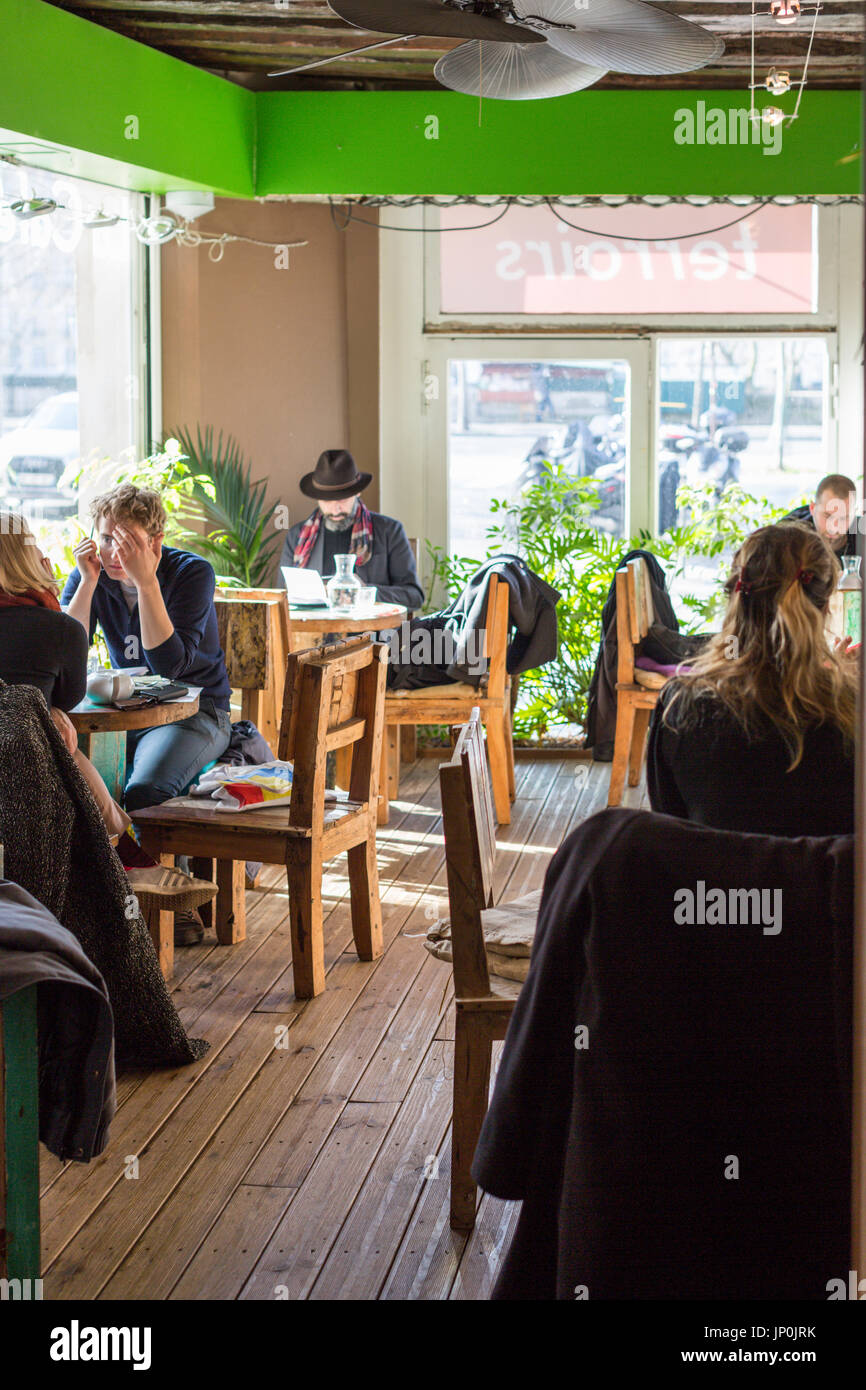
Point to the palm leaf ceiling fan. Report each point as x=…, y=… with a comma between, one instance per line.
x=518, y=50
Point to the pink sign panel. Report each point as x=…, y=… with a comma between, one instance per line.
x=531, y=262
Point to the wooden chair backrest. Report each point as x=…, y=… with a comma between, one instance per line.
x=634, y=615
x=496, y=636
x=334, y=697
x=470, y=846
x=244, y=632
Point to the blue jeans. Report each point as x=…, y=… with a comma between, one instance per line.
x=162, y=762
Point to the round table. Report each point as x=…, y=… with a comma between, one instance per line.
x=308, y=624
x=102, y=731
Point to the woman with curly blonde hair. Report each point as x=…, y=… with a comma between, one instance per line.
x=758, y=734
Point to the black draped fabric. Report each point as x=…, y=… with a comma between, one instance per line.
x=698, y=1145
x=533, y=633
x=77, y=1097
x=56, y=847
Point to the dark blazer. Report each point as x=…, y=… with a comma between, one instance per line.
x=77, y=1097
x=620, y=1139
x=391, y=566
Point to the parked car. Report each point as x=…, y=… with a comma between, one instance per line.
x=34, y=456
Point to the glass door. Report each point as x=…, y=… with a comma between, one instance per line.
x=500, y=413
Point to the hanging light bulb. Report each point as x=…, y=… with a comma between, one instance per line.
x=33, y=207
x=100, y=219
x=778, y=81
x=698, y=200
x=153, y=231
x=785, y=11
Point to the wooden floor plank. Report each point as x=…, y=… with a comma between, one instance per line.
x=300, y=1243
x=187, y=1220
x=427, y=1260
x=485, y=1249
x=357, y=1265
x=82, y=1272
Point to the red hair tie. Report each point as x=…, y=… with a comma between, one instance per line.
x=805, y=577
x=742, y=588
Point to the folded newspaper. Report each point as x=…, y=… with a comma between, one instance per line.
x=243, y=788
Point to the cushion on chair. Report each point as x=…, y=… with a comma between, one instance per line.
x=650, y=680
x=509, y=931
x=457, y=690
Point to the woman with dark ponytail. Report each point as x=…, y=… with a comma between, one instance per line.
x=758, y=734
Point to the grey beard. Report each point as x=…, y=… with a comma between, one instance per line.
x=339, y=524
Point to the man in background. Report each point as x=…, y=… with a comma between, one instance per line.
x=342, y=525
x=833, y=514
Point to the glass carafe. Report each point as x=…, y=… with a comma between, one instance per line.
x=850, y=578
x=342, y=590
x=851, y=589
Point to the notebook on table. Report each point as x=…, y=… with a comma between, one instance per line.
x=304, y=587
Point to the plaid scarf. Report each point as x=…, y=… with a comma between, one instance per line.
x=361, y=544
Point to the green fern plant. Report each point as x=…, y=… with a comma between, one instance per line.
x=234, y=510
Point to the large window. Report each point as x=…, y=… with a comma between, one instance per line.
x=70, y=343
x=509, y=420
x=747, y=410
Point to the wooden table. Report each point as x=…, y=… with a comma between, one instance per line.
x=309, y=625
x=102, y=731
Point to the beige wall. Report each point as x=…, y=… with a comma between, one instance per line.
x=285, y=360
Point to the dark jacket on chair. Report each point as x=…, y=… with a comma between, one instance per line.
x=56, y=847
x=391, y=566
x=694, y=1141
x=601, y=700
x=77, y=1098
x=533, y=633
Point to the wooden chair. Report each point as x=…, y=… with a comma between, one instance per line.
x=484, y=1003
x=637, y=691
x=449, y=704
x=334, y=698
x=254, y=631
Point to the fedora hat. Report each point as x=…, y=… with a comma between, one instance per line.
x=334, y=476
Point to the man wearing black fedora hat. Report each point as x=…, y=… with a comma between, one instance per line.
x=342, y=525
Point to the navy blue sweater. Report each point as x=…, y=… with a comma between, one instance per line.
x=192, y=653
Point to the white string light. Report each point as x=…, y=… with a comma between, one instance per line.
x=157, y=230
x=777, y=82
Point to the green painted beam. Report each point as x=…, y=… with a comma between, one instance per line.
x=375, y=143
x=117, y=111
x=85, y=91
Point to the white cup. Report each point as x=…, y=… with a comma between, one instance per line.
x=106, y=688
